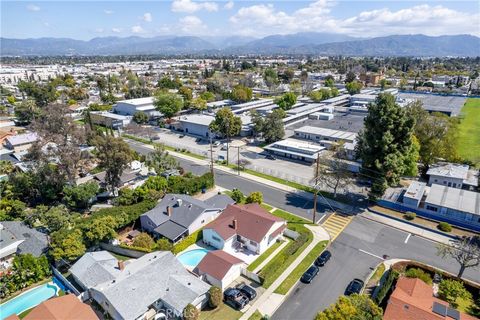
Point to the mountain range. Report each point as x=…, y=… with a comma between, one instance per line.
x=310, y=43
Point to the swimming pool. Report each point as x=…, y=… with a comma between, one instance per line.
x=193, y=257
x=27, y=300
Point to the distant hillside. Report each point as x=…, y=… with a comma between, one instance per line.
x=299, y=43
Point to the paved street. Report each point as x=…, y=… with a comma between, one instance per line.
x=348, y=262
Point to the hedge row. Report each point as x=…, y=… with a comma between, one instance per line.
x=188, y=241
x=386, y=286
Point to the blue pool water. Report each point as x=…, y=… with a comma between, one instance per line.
x=27, y=300
x=193, y=257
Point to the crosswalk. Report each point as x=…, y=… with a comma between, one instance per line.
x=335, y=224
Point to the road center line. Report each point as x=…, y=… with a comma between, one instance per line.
x=408, y=237
x=371, y=254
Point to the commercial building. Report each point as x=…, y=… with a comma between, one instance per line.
x=414, y=194
x=296, y=149
x=323, y=136
x=132, y=106
x=196, y=124
x=109, y=120
x=453, y=175
x=449, y=105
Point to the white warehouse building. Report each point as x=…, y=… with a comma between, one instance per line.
x=132, y=106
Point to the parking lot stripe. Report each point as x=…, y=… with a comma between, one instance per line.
x=371, y=254
x=408, y=237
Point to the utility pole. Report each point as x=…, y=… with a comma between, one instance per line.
x=212, y=171
x=317, y=172
x=238, y=159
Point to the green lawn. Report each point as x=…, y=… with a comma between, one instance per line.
x=256, y=316
x=468, y=144
x=266, y=207
x=301, y=268
x=223, y=312
x=264, y=256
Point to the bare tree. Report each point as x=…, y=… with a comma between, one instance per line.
x=332, y=172
x=465, y=251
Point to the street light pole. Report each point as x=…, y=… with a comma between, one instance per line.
x=317, y=169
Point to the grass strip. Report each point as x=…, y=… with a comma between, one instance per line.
x=264, y=256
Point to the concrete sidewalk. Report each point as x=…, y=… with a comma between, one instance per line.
x=269, y=301
x=280, y=186
x=430, y=235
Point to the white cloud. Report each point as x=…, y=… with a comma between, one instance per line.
x=116, y=30
x=147, y=17
x=99, y=30
x=137, y=29
x=229, y=5
x=192, y=25
x=190, y=6
x=263, y=19
x=107, y=11
x=32, y=7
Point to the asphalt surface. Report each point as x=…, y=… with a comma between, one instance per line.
x=348, y=262
x=291, y=202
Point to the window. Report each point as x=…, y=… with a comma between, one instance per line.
x=435, y=180
x=216, y=238
x=454, y=185
x=253, y=243
x=444, y=182
x=431, y=208
x=449, y=184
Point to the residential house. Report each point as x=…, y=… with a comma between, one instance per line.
x=127, y=178
x=453, y=175
x=141, y=288
x=178, y=215
x=413, y=299
x=21, y=142
x=244, y=227
x=4, y=135
x=219, y=268
x=60, y=308
x=18, y=238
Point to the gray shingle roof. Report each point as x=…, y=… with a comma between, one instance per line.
x=220, y=201
x=155, y=276
x=95, y=268
x=170, y=230
x=36, y=243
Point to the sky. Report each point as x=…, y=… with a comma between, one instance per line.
x=87, y=19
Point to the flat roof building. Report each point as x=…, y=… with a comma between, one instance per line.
x=414, y=193
x=449, y=105
x=131, y=106
x=323, y=134
x=109, y=120
x=295, y=149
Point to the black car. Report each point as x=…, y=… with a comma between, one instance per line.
x=309, y=274
x=248, y=291
x=355, y=286
x=270, y=157
x=323, y=258
x=235, y=298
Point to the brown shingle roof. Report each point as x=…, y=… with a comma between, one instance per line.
x=61, y=308
x=413, y=299
x=252, y=222
x=217, y=264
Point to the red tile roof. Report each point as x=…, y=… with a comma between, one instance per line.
x=61, y=308
x=252, y=222
x=217, y=264
x=413, y=299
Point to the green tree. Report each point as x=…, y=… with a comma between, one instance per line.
x=254, y=197
x=273, y=128
x=329, y=82
x=208, y=96
x=286, y=101
x=350, y=77
x=140, y=117
x=451, y=290
x=237, y=196
x=270, y=76
x=55, y=218
x=11, y=99
x=67, y=245
x=6, y=167
x=354, y=307
x=199, y=104
x=114, y=155
x=385, y=145
x=354, y=87
x=226, y=123
x=241, y=94
x=383, y=84
x=100, y=229
x=169, y=104
x=258, y=122
x=143, y=240
x=160, y=160
x=215, y=297
x=80, y=196
x=186, y=93
x=167, y=83
x=164, y=245
x=26, y=111
x=465, y=251
x=191, y=312
x=12, y=209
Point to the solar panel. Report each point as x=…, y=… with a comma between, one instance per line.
x=452, y=313
x=440, y=309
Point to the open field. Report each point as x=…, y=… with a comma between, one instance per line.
x=468, y=144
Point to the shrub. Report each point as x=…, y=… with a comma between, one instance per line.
x=237, y=196
x=143, y=240
x=190, y=312
x=410, y=216
x=164, y=245
x=255, y=197
x=215, y=298
x=132, y=247
x=387, y=285
x=420, y=274
x=444, y=226
x=187, y=242
x=189, y=184
x=451, y=290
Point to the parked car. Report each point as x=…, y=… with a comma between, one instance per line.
x=170, y=173
x=217, y=143
x=235, y=298
x=248, y=291
x=198, y=139
x=355, y=286
x=323, y=258
x=224, y=146
x=309, y=274
x=270, y=157
x=182, y=136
